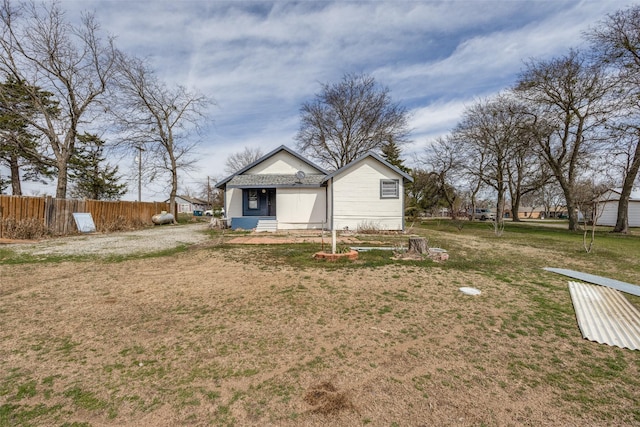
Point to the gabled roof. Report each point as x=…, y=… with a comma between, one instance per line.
x=405, y=175
x=265, y=157
x=192, y=200
x=606, y=196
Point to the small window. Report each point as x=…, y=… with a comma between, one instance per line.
x=253, y=199
x=389, y=189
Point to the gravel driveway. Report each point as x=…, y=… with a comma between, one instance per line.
x=123, y=243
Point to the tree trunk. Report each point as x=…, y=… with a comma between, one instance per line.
x=61, y=187
x=16, y=187
x=174, y=176
x=622, y=221
x=418, y=245
x=572, y=213
x=515, y=207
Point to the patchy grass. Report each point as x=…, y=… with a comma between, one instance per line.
x=265, y=335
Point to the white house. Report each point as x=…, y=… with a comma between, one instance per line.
x=608, y=208
x=283, y=190
x=188, y=204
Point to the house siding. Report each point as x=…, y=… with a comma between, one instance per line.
x=608, y=210
x=356, y=201
x=607, y=213
x=282, y=163
x=233, y=202
x=301, y=208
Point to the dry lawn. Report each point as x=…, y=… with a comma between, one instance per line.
x=228, y=336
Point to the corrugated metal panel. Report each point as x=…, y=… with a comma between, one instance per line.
x=605, y=316
x=598, y=280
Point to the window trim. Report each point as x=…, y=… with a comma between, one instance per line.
x=396, y=184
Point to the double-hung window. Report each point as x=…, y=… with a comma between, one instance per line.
x=389, y=188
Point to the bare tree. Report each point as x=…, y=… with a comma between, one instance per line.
x=616, y=43
x=348, y=119
x=443, y=160
x=526, y=170
x=493, y=131
x=159, y=118
x=587, y=193
x=239, y=160
x=40, y=48
x=570, y=99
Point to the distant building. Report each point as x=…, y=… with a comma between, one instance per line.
x=540, y=212
x=190, y=205
x=608, y=208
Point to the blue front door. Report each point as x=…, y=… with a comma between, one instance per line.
x=259, y=202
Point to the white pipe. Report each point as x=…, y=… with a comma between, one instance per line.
x=333, y=241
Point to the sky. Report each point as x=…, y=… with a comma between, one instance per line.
x=259, y=61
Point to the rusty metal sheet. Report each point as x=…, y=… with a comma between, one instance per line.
x=605, y=316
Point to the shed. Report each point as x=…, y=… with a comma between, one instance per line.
x=608, y=207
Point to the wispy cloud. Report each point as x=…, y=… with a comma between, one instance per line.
x=261, y=60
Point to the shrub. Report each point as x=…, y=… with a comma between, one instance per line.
x=121, y=223
x=25, y=229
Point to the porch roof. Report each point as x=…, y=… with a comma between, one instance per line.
x=275, y=181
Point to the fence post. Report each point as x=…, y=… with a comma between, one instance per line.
x=48, y=212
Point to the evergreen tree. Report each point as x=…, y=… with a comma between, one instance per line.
x=19, y=148
x=391, y=153
x=92, y=178
x=3, y=184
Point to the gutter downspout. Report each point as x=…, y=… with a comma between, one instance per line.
x=330, y=217
x=402, y=205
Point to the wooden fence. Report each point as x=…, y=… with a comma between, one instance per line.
x=56, y=217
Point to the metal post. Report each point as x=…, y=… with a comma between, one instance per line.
x=140, y=172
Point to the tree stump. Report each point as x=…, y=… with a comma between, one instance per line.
x=418, y=245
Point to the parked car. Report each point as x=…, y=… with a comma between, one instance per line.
x=208, y=212
x=482, y=214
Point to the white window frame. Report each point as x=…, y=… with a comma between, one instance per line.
x=386, y=192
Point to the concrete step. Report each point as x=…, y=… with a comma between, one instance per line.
x=268, y=225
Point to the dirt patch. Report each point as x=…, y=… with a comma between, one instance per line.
x=326, y=399
x=217, y=337
x=142, y=241
x=288, y=238
x=350, y=255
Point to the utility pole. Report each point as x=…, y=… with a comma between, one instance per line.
x=140, y=150
x=209, y=192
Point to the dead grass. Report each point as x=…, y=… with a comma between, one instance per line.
x=227, y=335
x=25, y=229
x=326, y=399
x=121, y=223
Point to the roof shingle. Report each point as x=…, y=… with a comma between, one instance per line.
x=265, y=180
